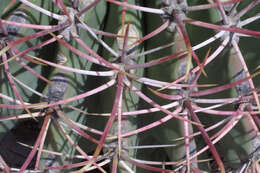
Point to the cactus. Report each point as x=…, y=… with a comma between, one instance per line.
x=129, y=86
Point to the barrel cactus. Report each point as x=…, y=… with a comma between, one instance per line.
x=129, y=86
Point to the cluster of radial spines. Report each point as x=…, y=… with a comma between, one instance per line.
x=229, y=33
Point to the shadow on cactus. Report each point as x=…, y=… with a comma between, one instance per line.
x=129, y=86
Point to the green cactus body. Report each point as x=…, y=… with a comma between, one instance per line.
x=129, y=86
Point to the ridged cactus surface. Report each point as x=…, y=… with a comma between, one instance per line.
x=129, y=86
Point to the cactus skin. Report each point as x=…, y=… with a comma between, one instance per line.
x=158, y=142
